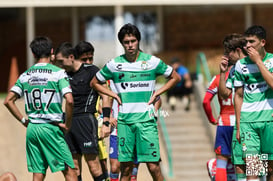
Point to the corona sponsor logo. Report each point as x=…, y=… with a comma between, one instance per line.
x=45, y=71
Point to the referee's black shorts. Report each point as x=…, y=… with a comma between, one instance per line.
x=83, y=135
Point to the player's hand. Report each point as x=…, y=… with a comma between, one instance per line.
x=214, y=122
x=153, y=99
x=118, y=99
x=26, y=123
x=63, y=127
x=105, y=131
x=253, y=54
x=238, y=136
x=113, y=122
x=224, y=64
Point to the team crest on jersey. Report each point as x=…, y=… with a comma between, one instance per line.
x=268, y=64
x=144, y=65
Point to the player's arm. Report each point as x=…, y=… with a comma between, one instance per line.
x=188, y=82
x=174, y=78
x=106, y=111
x=69, y=103
x=98, y=86
x=158, y=104
x=238, y=102
x=224, y=92
x=207, y=107
x=13, y=109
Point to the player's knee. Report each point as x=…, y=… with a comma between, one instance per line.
x=115, y=168
x=8, y=176
x=126, y=169
x=154, y=167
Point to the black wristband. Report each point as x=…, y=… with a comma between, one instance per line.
x=106, y=112
x=106, y=123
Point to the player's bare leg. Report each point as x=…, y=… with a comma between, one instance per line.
x=38, y=176
x=77, y=159
x=155, y=171
x=94, y=166
x=70, y=174
x=126, y=171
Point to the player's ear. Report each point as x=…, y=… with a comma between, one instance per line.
x=263, y=41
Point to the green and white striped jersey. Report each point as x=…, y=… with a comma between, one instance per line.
x=258, y=96
x=43, y=87
x=135, y=84
x=230, y=79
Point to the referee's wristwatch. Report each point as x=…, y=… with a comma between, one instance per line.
x=106, y=123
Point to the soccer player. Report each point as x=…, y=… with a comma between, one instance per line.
x=134, y=74
x=83, y=136
x=113, y=146
x=233, y=48
x=254, y=103
x=44, y=85
x=85, y=52
x=184, y=88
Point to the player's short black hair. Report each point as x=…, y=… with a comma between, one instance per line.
x=128, y=29
x=41, y=47
x=66, y=49
x=256, y=30
x=84, y=47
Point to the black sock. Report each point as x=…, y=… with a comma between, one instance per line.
x=79, y=177
x=105, y=174
x=99, y=178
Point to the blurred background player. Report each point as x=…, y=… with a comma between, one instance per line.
x=183, y=89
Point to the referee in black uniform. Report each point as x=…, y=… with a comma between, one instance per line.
x=82, y=138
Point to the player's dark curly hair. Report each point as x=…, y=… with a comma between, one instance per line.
x=128, y=29
x=233, y=41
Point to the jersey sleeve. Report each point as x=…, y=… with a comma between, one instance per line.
x=163, y=69
x=213, y=85
x=230, y=79
x=106, y=72
x=238, y=75
x=64, y=85
x=18, y=88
